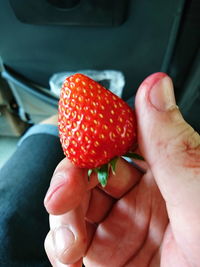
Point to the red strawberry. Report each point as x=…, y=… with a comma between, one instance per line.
x=95, y=126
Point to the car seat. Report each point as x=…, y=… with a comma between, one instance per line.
x=134, y=37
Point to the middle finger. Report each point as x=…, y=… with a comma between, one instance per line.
x=69, y=235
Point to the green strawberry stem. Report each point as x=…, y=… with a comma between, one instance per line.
x=113, y=164
x=103, y=171
x=102, y=174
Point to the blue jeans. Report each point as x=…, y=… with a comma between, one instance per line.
x=24, y=180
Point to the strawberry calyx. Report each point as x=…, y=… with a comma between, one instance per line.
x=104, y=170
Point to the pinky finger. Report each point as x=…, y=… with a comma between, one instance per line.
x=50, y=251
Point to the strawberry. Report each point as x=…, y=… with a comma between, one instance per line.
x=95, y=126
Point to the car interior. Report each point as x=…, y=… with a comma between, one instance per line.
x=44, y=38
x=116, y=42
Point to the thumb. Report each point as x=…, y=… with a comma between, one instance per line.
x=170, y=145
x=172, y=150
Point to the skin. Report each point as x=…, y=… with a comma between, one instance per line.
x=143, y=217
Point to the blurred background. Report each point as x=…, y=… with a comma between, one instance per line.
x=134, y=38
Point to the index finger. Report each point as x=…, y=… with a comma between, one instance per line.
x=69, y=184
x=67, y=188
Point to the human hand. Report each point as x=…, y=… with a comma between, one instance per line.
x=139, y=219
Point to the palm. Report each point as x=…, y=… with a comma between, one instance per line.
x=133, y=232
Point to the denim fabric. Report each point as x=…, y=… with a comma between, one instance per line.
x=40, y=128
x=24, y=180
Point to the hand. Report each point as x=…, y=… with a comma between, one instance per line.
x=139, y=219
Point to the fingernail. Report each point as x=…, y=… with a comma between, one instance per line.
x=161, y=95
x=63, y=239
